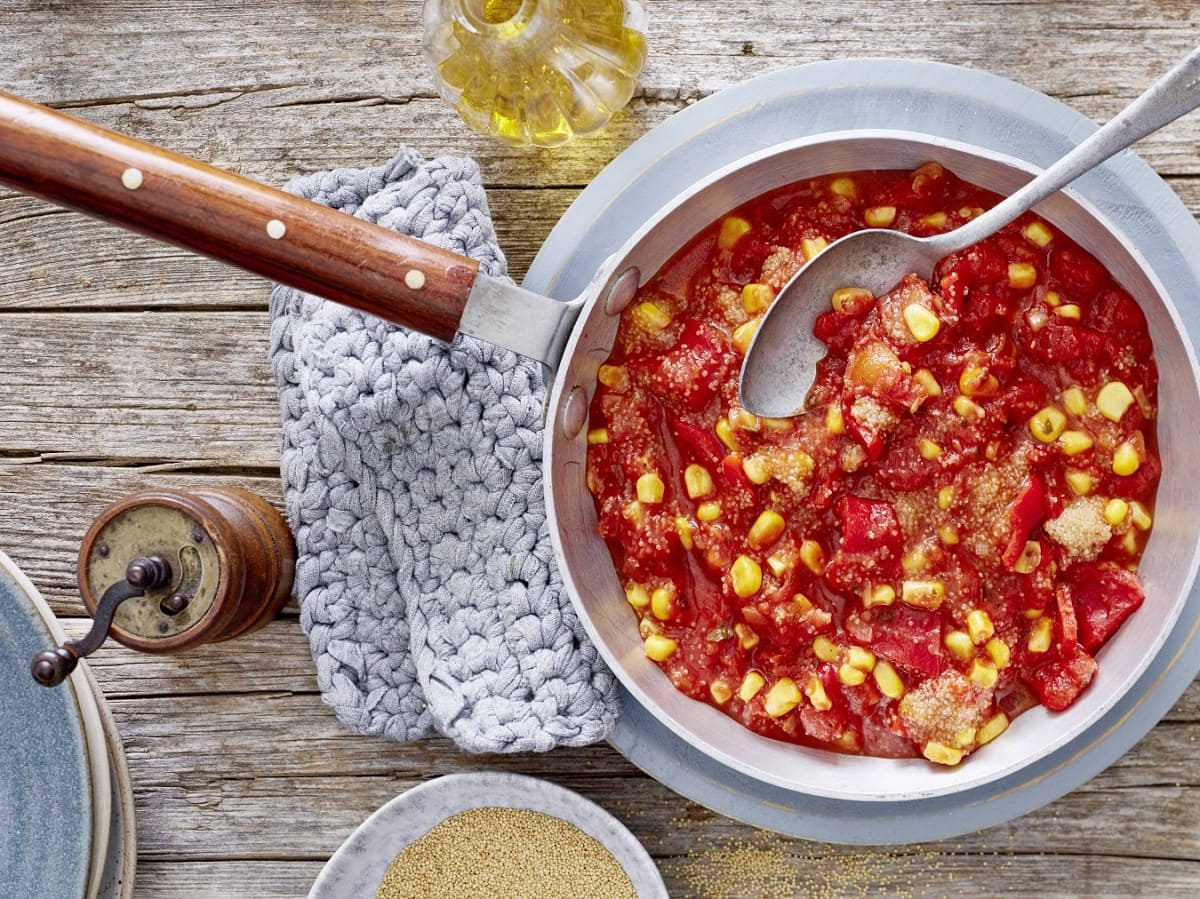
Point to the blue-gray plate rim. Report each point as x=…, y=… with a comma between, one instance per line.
x=948, y=101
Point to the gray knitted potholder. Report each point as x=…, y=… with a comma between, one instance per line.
x=413, y=483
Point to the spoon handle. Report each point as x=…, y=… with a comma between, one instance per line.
x=1173, y=95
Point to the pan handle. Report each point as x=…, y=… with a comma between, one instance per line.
x=266, y=231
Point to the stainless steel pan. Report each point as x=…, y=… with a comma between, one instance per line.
x=430, y=290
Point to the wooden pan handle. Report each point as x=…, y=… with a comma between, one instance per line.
x=185, y=202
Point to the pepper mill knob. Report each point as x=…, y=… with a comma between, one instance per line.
x=52, y=666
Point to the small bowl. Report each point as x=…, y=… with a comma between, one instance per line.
x=1168, y=567
x=357, y=868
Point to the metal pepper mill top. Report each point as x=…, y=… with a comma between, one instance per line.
x=168, y=570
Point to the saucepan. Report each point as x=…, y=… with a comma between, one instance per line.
x=344, y=259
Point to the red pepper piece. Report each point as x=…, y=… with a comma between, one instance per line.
x=731, y=468
x=868, y=524
x=1025, y=514
x=1104, y=597
x=703, y=442
x=1066, y=625
x=911, y=638
x=1058, y=683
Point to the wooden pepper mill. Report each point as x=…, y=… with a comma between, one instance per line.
x=169, y=570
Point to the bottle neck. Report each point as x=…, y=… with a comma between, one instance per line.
x=497, y=18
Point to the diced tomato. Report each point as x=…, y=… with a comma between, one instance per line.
x=734, y=473
x=1080, y=273
x=1025, y=514
x=1104, y=596
x=687, y=375
x=1058, y=683
x=748, y=257
x=868, y=524
x=911, y=638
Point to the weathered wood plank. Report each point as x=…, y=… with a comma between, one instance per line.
x=174, y=385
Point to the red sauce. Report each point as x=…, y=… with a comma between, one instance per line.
x=951, y=530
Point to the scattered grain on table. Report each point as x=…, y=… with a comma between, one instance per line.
x=506, y=854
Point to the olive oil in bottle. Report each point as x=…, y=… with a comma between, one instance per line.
x=536, y=71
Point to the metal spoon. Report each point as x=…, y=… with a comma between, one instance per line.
x=781, y=362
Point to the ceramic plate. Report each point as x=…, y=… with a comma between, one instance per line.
x=357, y=869
x=48, y=789
x=951, y=102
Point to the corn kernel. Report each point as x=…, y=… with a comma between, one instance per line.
x=1069, y=310
x=683, y=528
x=1040, y=633
x=942, y=754
x=632, y=512
x=815, y=691
x=720, y=692
x=733, y=229
x=1129, y=544
x=965, y=737
x=1047, y=424
x=1140, y=516
x=1021, y=275
x=888, y=681
x=709, y=511
x=662, y=601
x=948, y=534
x=650, y=488
x=959, y=643
x=813, y=556
x=967, y=407
x=923, y=594
x=741, y=420
x=824, y=649
x=851, y=677
x=915, y=560
x=862, y=659
x=1053, y=299
x=928, y=449
x=1037, y=233
x=979, y=626
x=756, y=469
x=613, y=376
x=751, y=684
x=1113, y=400
x=992, y=728
x=999, y=652
x=983, y=673
x=928, y=382
x=766, y=529
x=651, y=318
x=976, y=380
x=835, y=423
x=637, y=595
x=697, y=481
x=745, y=575
x=935, y=220
x=783, y=696
x=743, y=334
x=1080, y=482
x=945, y=497
x=597, y=436
x=922, y=323
x=844, y=187
x=1030, y=558
x=747, y=637
x=1125, y=460
x=780, y=563
x=811, y=246
x=1075, y=442
x=725, y=434
x=879, y=216
x=1074, y=400
x=1115, y=511
x=802, y=603
x=1033, y=614
x=848, y=740
x=659, y=648
x=883, y=595
x=756, y=297
x=851, y=300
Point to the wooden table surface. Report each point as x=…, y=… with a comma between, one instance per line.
x=127, y=364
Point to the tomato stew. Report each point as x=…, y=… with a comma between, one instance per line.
x=948, y=533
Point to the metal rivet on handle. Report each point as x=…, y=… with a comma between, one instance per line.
x=622, y=291
x=574, y=413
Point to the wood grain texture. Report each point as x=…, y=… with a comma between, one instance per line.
x=245, y=781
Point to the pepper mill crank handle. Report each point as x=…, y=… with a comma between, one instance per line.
x=52, y=666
